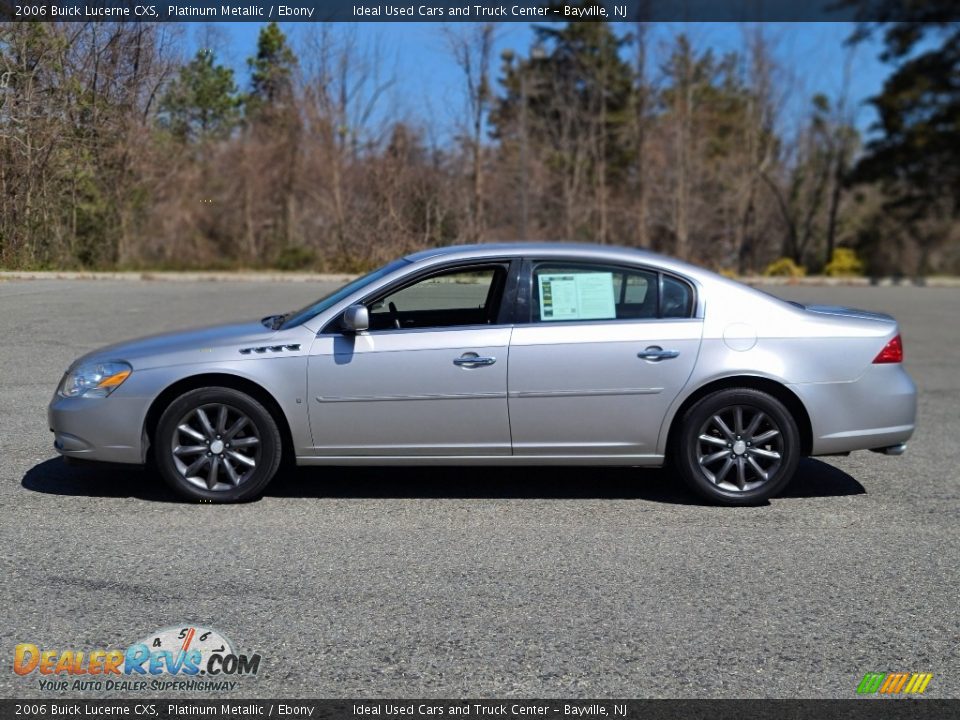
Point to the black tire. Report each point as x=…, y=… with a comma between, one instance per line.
x=252, y=465
x=718, y=477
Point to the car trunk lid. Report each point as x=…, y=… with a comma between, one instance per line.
x=847, y=312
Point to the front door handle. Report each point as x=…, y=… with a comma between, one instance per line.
x=473, y=360
x=655, y=352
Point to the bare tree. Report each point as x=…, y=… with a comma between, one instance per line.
x=472, y=50
x=343, y=91
x=641, y=120
x=758, y=147
x=842, y=146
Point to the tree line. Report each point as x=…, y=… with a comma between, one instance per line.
x=117, y=153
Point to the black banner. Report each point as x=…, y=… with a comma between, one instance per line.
x=451, y=10
x=438, y=709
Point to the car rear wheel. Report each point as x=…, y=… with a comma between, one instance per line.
x=737, y=447
x=217, y=445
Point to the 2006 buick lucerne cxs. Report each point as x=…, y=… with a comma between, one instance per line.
x=512, y=354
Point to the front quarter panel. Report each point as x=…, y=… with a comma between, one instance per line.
x=112, y=429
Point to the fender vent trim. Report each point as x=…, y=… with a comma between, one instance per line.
x=262, y=349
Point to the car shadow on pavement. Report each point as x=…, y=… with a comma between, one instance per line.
x=56, y=477
x=814, y=478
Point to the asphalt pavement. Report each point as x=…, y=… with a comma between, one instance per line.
x=450, y=582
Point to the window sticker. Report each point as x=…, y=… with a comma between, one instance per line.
x=576, y=296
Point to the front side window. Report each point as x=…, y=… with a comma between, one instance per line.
x=463, y=296
x=325, y=303
x=583, y=291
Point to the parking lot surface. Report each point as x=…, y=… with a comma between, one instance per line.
x=450, y=582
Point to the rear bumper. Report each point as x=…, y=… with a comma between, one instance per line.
x=105, y=429
x=876, y=411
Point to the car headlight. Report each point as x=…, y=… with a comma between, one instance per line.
x=96, y=379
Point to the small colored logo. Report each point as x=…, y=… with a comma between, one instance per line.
x=896, y=683
x=202, y=656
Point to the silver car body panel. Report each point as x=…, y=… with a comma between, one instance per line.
x=399, y=393
x=572, y=393
x=582, y=389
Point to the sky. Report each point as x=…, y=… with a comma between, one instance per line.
x=426, y=86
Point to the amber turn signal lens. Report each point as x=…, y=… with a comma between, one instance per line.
x=114, y=380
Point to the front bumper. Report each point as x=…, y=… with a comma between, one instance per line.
x=106, y=429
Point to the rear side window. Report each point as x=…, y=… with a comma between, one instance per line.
x=677, y=299
x=581, y=291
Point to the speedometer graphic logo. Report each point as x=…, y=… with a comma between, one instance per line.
x=184, y=639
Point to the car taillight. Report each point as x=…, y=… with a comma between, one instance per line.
x=891, y=353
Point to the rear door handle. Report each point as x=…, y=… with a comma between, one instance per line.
x=473, y=361
x=655, y=352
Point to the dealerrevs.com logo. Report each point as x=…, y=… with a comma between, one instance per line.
x=895, y=683
x=187, y=657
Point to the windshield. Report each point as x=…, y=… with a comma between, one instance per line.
x=301, y=316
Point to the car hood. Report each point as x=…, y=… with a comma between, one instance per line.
x=196, y=345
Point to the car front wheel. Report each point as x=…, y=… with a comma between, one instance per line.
x=738, y=447
x=217, y=445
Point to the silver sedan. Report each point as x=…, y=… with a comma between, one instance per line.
x=514, y=354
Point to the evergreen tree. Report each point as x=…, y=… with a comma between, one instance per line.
x=202, y=103
x=568, y=109
x=271, y=75
x=917, y=156
x=716, y=137
x=574, y=83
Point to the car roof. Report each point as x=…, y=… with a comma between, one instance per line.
x=591, y=251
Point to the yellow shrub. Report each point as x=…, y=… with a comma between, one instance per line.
x=844, y=263
x=784, y=267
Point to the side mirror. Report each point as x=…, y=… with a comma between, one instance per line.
x=356, y=318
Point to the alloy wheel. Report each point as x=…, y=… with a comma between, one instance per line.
x=215, y=447
x=740, y=448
